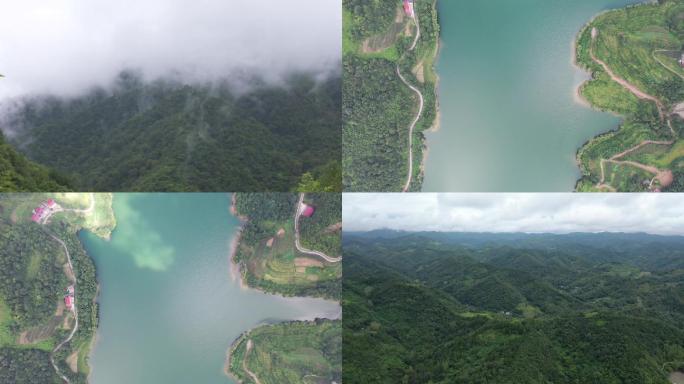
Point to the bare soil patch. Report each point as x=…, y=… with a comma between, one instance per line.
x=72, y=362
x=334, y=228
x=307, y=262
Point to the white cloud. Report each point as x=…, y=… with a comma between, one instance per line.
x=546, y=212
x=64, y=46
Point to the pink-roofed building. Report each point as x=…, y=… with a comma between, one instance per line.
x=35, y=217
x=408, y=8
x=69, y=301
x=50, y=203
x=308, y=211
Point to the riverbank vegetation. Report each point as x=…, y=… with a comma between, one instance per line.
x=378, y=107
x=641, y=45
x=266, y=253
x=487, y=308
x=168, y=136
x=295, y=352
x=33, y=281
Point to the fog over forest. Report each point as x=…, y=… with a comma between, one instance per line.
x=65, y=47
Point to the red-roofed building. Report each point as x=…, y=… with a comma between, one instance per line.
x=308, y=211
x=50, y=203
x=69, y=301
x=35, y=217
x=408, y=7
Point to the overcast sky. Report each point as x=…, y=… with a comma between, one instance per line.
x=64, y=46
x=556, y=213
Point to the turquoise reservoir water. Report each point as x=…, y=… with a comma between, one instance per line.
x=168, y=306
x=510, y=121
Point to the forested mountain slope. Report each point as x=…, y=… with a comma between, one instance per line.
x=165, y=135
x=20, y=174
x=435, y=312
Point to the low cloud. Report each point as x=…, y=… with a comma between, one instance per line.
x=554, y=213
x=66, y=46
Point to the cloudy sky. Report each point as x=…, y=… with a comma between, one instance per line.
x=557, y=213
x=64, y=46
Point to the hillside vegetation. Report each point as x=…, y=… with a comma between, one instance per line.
x=266, y=252
x=378, y=107
x=18, y=174
x=582, y=308
x=169, y=136
x=641, y=46
x=33, y=280
x=296, y=352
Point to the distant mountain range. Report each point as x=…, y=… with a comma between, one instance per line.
x=512, y=308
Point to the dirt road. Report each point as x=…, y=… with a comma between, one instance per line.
x=420, y=108
x=251, y=374
x=298, y=214
x=73, y=331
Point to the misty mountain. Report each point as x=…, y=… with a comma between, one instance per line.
x=166, y=135
x=512, y=308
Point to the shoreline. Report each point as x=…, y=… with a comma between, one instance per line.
x=581, y=100
x=437, y=122
x=235, y=270
x=236, y=273
x=244, y=335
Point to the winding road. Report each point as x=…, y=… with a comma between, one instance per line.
x=664, y=176
x=73, y=331
x=298, y=214
x=420, y=107
x=251, y=374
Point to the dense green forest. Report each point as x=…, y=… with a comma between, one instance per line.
x=377, y=107
x=19, y=174
x=641, y=46
x=33, y=280
x=512, y=308
x=266, y=253
x=322, y=231
x=295, y=352
x=168, y=136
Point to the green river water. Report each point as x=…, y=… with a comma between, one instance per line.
x=169, y=309
x=510, y=121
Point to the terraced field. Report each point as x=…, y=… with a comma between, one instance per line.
x=633, y=55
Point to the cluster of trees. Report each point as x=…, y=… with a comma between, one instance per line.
x=264, y=211
x=26, y=366
x=484, y=308
x=318, y=232
x=32, y=280
x=18, y=174
x=170, y=136
x=369, y=17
